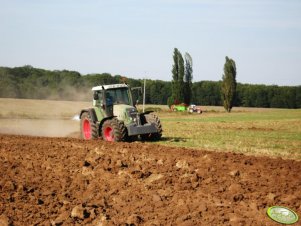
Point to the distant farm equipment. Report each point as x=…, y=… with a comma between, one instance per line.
x=193, y=108
x=184, y=107
x=179, y=107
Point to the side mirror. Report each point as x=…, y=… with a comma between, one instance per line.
x=95, y=96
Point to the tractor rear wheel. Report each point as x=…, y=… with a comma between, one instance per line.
x=113, y=130
x=88, y=128
x=151, y=118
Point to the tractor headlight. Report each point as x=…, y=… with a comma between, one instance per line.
x=132, y=114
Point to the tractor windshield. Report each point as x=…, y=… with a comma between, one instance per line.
x=118, y=96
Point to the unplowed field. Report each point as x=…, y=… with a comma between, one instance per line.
x=67, y=181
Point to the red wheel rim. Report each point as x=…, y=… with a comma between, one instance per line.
x=87, y=129
x=108, y=133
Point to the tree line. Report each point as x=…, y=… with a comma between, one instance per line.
x=34, y=83
x=226, y=92
x=248, y=95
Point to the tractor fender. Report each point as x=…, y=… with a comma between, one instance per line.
x=143, y=118
x=92, y=113
x=105, y=119
x=146, y=113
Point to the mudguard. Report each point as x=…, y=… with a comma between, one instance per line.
x=92, y=113
x=146, y=113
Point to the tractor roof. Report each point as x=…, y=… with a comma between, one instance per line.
x=113, y=86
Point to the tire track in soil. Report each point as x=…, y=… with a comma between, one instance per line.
x=67, y=181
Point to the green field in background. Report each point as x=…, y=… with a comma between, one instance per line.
x=272, y=132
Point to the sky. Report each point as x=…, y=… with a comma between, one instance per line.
x=136, y=38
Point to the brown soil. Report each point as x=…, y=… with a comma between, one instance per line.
x=67, y=181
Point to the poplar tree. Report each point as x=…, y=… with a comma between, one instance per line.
x=178, y=76
x=228, y=87
x=188, y=79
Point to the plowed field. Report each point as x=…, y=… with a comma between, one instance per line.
x=67, y=181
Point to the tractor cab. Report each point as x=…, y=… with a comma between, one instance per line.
x=112, y=94
x=114, y=100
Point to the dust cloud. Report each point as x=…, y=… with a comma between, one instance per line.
x=46, y=118
x=40, y=127
x=70, y=93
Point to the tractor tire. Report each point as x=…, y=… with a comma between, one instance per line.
x=113, y=130
x=88, y=128
x=151, y=118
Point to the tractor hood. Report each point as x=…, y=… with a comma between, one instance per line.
x=125, y=113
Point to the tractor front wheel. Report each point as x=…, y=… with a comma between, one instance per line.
x=113, y=130
x=88, y=128
x=151, y=118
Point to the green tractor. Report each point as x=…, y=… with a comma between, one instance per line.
x=114, y=117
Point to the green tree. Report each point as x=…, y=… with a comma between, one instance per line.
x=9, y=86
x=188, y=79
x=178, y=77
x=298, y=96
x=206, y=93
x=228, y=88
